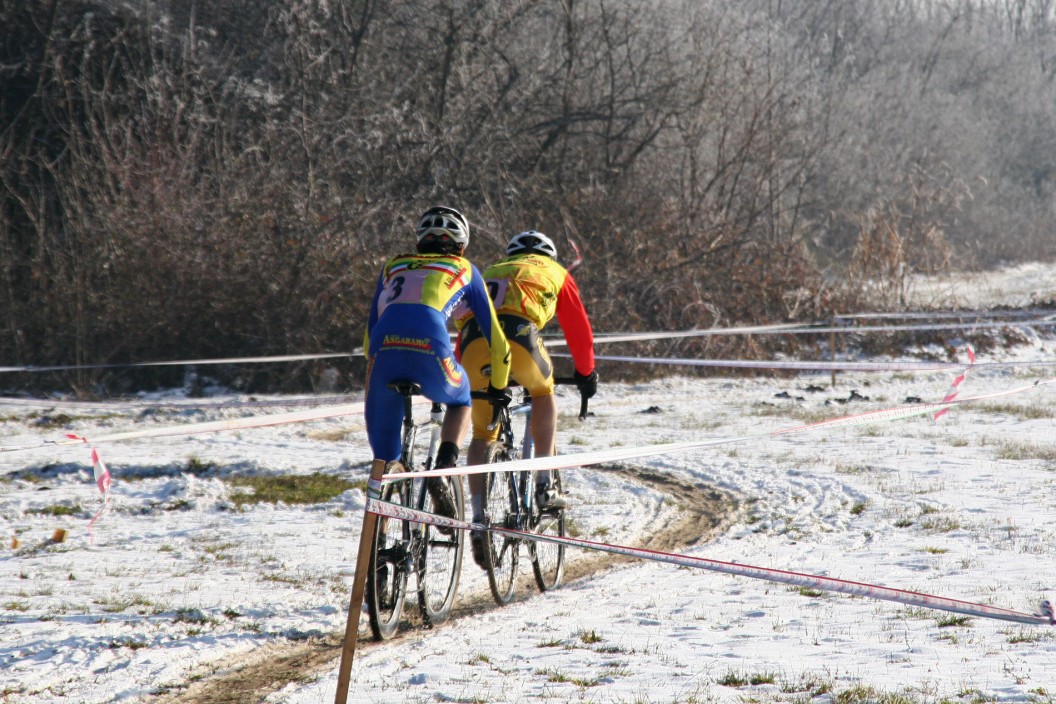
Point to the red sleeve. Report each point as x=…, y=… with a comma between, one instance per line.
x=576, y=325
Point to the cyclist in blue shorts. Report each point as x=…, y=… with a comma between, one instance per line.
x=407, y=340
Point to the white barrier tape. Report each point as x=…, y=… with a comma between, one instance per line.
x=613, y=455
x=949, y=314
x=632, y=337
x=861, y=589
x=183, y=362
x=185, y=404
x=211, y=427
x=775, y=328
x=807, y=329
x=814, y=366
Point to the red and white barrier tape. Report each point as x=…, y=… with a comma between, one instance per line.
x=612, y=455
x=956, y=385
x=814, y=366
x=102, y=476
x=1046, y=616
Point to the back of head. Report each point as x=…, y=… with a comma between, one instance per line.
x=442, y=230
x=532, y=241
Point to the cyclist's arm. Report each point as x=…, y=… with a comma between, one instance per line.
x=484, y=312
x=572, y=316
x=372, y=319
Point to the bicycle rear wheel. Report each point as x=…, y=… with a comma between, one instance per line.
x=440, y=561
x=387, y=569
x=548, y=559
x=501, y=506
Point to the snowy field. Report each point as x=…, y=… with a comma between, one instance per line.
x=181, y=583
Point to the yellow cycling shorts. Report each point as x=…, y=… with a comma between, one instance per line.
x=530, y=366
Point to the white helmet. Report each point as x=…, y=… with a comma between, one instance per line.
x=532, y=241
x=441, y=221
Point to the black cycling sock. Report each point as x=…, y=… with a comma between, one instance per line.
x=447, y=455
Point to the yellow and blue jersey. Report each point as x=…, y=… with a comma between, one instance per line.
x=415, y=296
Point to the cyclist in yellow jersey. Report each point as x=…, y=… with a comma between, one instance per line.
x=529, y=287
x=407, y=339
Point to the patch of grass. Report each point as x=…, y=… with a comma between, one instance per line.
x=739, y=679
x=304, y=489
x=118, y=604
x=933, y=551
x=193, y=616
x=812, y=684
x=197, y=467
x=940, y=524
x=903, y=523
x=1024, y=635
x=57, y=510
x=590, y=637
x=954, y=621
x=572, y=527
x=808, y=592
x=550, y=644
x=1029, y=412
x=862, y=694
x=131, y=643
x=1025, y=451
x=859, y=508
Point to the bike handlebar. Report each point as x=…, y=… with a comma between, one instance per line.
x=565, y=381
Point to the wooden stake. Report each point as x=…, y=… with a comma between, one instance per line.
x=359, y=582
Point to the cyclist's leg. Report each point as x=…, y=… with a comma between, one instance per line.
x=383, y=408
x=476, y=359
x=537, y=377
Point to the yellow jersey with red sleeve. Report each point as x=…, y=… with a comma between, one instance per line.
x=536, y=287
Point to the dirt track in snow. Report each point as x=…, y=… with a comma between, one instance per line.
x=247, y=679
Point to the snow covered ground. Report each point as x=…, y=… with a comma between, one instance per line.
x=179, y=582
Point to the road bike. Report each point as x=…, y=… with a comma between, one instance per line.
x=509, y=502
x=403, y=549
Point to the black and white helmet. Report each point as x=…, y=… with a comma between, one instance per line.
x=532, y=241
x=441, y=221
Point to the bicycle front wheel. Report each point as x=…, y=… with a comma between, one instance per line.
x=440, y=562
x=387, y=569
x=502, y=508
x=548, y=559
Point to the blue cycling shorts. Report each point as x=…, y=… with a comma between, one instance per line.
x=409, y=343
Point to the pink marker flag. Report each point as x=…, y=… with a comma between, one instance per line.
x=955, y=387
x=102, y=480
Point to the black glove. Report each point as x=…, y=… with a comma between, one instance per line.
x=499, y=397
x=587, y=383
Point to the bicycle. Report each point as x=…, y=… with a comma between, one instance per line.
x=403, y=548
x=509, y=502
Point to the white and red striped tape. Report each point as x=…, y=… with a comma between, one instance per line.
x=584, y=459
x=861, y=589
